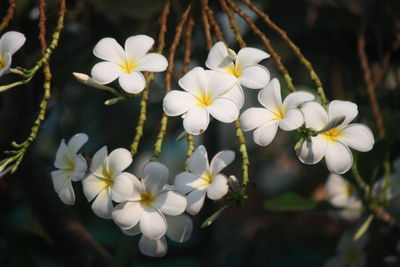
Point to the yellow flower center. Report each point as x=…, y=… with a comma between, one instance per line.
x=128, y=66
x=207, y=178
x=147, y=199
x=349, y=190
x=332, y=134
x=279, y=114
x=352, y=255
x=2, y=63
x=108, y=178
x=235, y=71
x=204, y=100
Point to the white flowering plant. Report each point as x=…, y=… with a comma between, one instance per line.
x=209, y=99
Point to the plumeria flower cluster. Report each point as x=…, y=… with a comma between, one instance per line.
x=10, y=42
x=146, y=205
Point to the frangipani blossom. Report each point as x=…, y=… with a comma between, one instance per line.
x=349, y=252
x=10, y=42
x=274, y=113
x=127, y=64
x=334, y=143
x=245, y=68
x=72, y=167
x=179, y=229
x=342, y=194
x=149, y=202
x=203, y=96
x=204, y=178
x=107, y=180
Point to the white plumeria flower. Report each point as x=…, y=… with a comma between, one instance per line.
x=72, y=167
x=179, y=229
x=349, y=252
x=10, y=42
x=149, y=202
x=334, y=144
x=126, y=65
x=342, y=194
x=274, y=113
x=203, y=97
x=204, y=178
x=107, y=180
x=245, y=68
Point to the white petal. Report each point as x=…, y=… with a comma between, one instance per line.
x=198, y=162
x=220, y=83
x=154, y=176
x=153, y=247
x=254, y=77
x=264, y=135
x=59, y=177
x=127, y=214
x=250, y=56
x=76, y=142
x=137, y=187
x=118, y=160
x=221, y=160
x=255, y=117
x=10, y=42
x=338, y=157
x=7, y=60
x=336, y=189
x=170, y=203
x=152, y=223
x=179, y=228
x=293, y=119
x=98, y=161
x=176, y=102
x=357, y=136
x=270, y=96
x=105, y=72
x=315, y=115
x=122, y=187
x=312, y=151
x=186, y=182
x=218, y=58
x=64, y=160
x=194, y=81
x=195, y=200
x=293, y=100
x=80, y=168
x=92, y=186
x=338, y=108
x=196, y=121
x=224, y=110
x=132, y=83
x=66, y=193
x=102, y=205
x=236, y=95
x=135, y=230
x=137, y=46
x=109, y=49
x=218, y=188
x=152, y=62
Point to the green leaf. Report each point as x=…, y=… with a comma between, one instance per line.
x=294, y=202
x=214, y=216
x=363, y=228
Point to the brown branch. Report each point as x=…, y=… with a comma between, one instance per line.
x=307, y=64
x=163, y=25
x=214, y=23
x=9, y=15
x=266, y=43
x=188, y=45
x=370, y=84
x=385, y=62
x=206, y=24
x=235, y=28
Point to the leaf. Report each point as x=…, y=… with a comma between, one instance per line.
x=363, y=228
x=214, y=216
x=294, y=202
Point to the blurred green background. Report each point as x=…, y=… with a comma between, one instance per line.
x=37, y=229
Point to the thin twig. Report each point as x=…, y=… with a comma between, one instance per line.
x=214, y=23
x=294, y=47
x=266, y=43
x=168, y=77
x=206, y=24
x=188, y=45
x=235, y=28
x=9, y=15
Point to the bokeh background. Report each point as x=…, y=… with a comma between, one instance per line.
x=37, y=229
